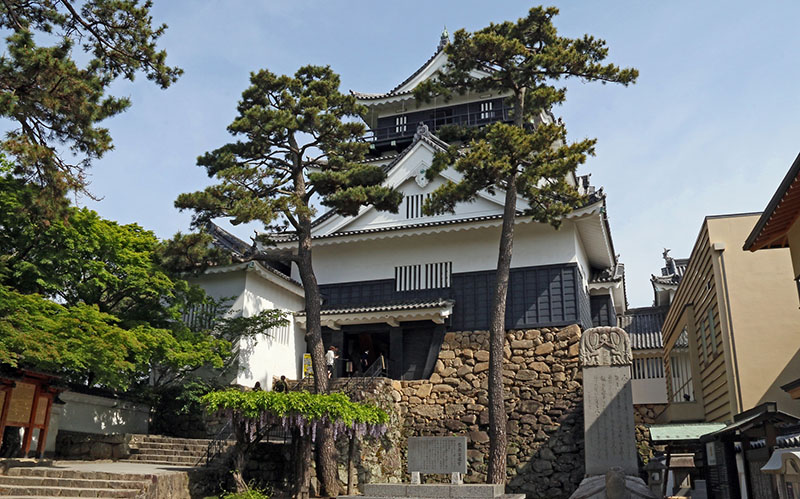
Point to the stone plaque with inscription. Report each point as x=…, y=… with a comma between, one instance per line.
x=437, y=454
x=605, y=355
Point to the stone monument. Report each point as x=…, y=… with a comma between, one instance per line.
x=610, y=443
x=435, y=455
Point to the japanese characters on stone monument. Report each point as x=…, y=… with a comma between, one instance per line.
x=605, y=354
x=437, y=454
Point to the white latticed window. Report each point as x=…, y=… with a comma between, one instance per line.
x=682, y=388
x=423, y=276
x=400, y=124
x=648, y=368
x=486, y=110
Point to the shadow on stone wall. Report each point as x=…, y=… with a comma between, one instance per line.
x=543, y=399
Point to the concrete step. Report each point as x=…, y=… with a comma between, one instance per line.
x=387, y=490
x=161, y=445
x=75, y=474
x=168, y=463
x=170, y=440
x=58, y=491
x=165, y=457
x=71, y=482
x=169, y=452
x=504, y=496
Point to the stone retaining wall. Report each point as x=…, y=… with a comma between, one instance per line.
x=543, y=385
x=647, y=413
x=90, y=446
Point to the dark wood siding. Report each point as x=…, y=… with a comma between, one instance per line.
x=467, y=114
x=551, y=295
x=416, y=344
x=603, y=313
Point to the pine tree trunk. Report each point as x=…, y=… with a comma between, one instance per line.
x=302, y=461
x=498, y=436
x=498, y=439
x=326, y=448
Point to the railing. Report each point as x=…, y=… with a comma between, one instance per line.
x=684, y=393
x=217, y=444
x=681, y=368
x=357, y=384
x=470, y=120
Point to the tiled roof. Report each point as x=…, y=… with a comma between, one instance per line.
x=423, y=134
x=771, y=229
x=403, y=305
x=673, y=272
x=782, y=442
x=394, y=92
x=643, y=325
x=367, y=96
x=611, y=274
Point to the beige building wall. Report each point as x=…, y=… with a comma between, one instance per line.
x=740, y=311
x=765, y=333
x=794, y=247
x=695, y=310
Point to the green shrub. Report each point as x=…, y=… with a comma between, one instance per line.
x=250, y=494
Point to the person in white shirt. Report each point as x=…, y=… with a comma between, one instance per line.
x=330, y=358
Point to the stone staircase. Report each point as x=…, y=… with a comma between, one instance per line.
x=157, y=449
x=43, y=482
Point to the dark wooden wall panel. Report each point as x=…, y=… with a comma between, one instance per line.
x=603, y=313
x=551, y=295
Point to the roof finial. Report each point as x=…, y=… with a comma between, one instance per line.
x=444, y=39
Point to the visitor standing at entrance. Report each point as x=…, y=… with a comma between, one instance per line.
x=330, y=358
x=364, y=361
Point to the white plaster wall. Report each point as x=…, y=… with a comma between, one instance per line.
x=649, y=391
x=101, y=415
x=469, y=250
x=281, y=351
x=265, y=355
x=224, y=285
x=582, y=258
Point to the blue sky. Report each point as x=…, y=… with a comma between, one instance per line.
x=711, y=126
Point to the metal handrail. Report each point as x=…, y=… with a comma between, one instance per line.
x=471, y=120
x=356, y=384
x=677, y=395
x=216, y=446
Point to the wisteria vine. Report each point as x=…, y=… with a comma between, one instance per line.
x=302, y=411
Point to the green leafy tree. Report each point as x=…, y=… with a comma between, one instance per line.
x=306, y=415
x=295, y=142
x=530, y=158
x=119, y=319
x=54, y=103
x=76, y=342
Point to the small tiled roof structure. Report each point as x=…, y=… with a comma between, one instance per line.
x=611, y=274
x=672, y=272
x=403, y=305
x=783, y=210
x=643, y=325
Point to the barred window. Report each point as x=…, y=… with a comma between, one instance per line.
x=414, y=205
x=400, y=124
x=423, y=276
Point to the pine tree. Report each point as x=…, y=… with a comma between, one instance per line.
x=530, y=158
x=298, y=140
x=54, y=104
